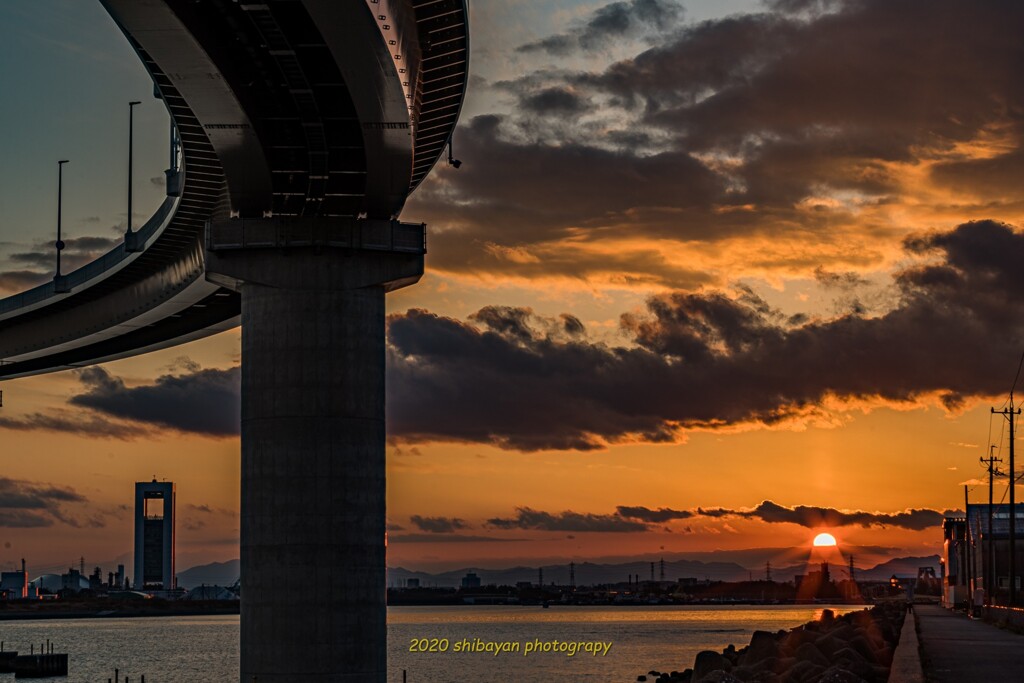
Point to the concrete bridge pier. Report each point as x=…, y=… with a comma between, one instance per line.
x=313, y=451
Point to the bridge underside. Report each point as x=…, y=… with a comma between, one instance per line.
x=303, y=126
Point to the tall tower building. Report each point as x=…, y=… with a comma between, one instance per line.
x=154, y=535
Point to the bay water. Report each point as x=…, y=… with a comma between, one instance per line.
x=431, y=644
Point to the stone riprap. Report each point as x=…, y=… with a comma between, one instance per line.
x=854, y=648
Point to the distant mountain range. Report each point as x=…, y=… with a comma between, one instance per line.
x=901, y=566
x=213, y=574
x=587, y=573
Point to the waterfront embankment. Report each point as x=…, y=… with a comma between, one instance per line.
x=956, y=648
x=107, y=609
x=854, y=648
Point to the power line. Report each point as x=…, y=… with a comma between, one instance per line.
x=1017, y=376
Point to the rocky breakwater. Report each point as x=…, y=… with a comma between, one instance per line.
x=854, y=648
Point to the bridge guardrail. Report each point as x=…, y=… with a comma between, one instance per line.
x=93, y=269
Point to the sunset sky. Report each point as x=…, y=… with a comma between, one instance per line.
x=712, y=276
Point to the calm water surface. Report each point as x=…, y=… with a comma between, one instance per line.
x=205, y=649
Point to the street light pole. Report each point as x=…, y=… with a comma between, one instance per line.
x=129, y=238
x=60, y=199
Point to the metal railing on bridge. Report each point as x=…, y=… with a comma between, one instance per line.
x=91, y=270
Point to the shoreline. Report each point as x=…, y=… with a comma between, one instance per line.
x=76, y=612
x=234, y=608
x=857, y=646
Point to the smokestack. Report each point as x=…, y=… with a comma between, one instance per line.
x=23, y=565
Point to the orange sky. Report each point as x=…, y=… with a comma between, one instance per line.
x=765, y=240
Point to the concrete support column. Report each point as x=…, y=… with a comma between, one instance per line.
x=313, y=487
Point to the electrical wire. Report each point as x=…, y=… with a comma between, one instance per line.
x=1017, y=376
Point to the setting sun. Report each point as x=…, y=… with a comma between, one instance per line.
x=824, y=540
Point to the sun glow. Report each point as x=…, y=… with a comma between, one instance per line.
x=824, y=540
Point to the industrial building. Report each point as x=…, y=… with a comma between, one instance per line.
x=154, y=536
x=973, y=557
x=14, y=585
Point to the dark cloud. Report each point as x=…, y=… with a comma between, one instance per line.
x=447, y=538
x=527, y=518
x=708, y=361
x=573, y=326
x=801, y=6
x=37, y=266
x=201, y=401
x=523, y=198
x=198, y=401
x=609, y=23
x=774, y=89
x=739, y=126
x=639, y=518
x=555, y=102
x=19, y=280
x=28, y=495
x=438, y=525
x=205, y=509
x=91, y=521
x=659, y=516
x=23, y=519
x=854, y=293
x=813, y=517
x=77, y=252
x=571, y=183
x=89, y=425
x=25, y=504
x=845, y=281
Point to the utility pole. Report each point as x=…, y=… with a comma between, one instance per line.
x=768, y=571
x=663, y=569
x=572, y=576
x=989, y=549
x=967, y=548
x=851, y=570
x=1010, y=413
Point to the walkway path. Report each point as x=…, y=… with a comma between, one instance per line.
x=956, y=649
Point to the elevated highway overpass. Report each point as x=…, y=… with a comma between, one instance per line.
x=301, y=128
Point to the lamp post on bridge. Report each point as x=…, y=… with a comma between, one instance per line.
x=130, y=243
x=59, y=284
